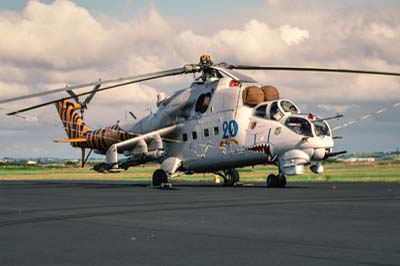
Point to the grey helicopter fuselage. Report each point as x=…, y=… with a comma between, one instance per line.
x=215, y=130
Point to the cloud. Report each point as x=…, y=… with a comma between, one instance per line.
x=136, y=93
x=67, y=36
x=339, y=108
x=8, y=89
x=70, y=45
x=255, y=42
x=293, y=35
x=382, y=30
x=46, y=46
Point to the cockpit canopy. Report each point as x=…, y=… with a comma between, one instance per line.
x=299, y=125
x=276, y=110
x=309, y=128
x=289, y=114
x=321, y=128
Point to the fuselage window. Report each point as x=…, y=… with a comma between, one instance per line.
x=185, y=137
x=194, y=135
x=300, y=126
x=206, y=132
x=261, y=111
x=216, y=131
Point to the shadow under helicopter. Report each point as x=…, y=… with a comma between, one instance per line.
x=144, y=184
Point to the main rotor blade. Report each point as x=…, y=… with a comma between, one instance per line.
x=140, y=78
x=71, y=93
x=312, y=69
x=154, y=75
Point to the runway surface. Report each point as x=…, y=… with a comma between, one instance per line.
x=100, y=223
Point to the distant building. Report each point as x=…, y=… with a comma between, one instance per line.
x=356, y=160
x=72, y=162
x=31, y=162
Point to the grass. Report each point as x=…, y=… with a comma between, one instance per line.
x=334, y=172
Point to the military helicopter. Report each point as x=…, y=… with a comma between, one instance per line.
x=224, y=120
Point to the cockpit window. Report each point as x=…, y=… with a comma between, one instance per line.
x=275, y=113
x=289, y=107
x=299, y=125
x=261, y=111
x=321, y=128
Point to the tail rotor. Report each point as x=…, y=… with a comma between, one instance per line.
x=84, y=104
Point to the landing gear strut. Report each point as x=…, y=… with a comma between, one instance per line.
x=159, y=177
x=230, y=176
x=276, y=180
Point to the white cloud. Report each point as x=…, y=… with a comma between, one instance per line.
x=66, y=36
x=136, y=93
x=293, y=35
x=254, y=42
x=70, y=45
x=9, y=89
x=382, y=30
x=339, y=108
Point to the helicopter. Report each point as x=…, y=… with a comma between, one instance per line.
x=223, y=121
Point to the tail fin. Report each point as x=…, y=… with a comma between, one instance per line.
x=73, y=123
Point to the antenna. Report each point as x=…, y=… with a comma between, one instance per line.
x=133, y=115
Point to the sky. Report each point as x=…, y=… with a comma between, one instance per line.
x=47, y=44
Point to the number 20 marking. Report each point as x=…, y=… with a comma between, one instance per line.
x=230, y=129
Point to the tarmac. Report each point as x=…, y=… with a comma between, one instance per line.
x=124, y=223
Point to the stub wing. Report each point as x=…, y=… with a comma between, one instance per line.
x=138, y=150
x=143, y=143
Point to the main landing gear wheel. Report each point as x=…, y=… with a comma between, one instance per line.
x=231, y=177
x=276, y=180
x=159, y=177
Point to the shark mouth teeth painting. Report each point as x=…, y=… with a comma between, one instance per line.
x=259, y=148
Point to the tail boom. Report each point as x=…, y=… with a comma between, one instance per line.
x=79, y=134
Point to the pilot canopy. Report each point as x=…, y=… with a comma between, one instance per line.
x=276, y=110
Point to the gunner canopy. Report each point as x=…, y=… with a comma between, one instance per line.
x=300, y=126
x=303, y=126
x=321, y=128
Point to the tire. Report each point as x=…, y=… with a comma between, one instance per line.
x=282, y=181
x=232, y=177
x=271, y=180
x=159, y=177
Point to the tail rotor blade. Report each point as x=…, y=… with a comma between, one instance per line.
x=90, y=97
x=73, y=95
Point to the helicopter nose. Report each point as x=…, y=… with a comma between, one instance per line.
x=319, y=154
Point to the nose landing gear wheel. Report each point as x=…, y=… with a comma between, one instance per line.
x=159, y=177
x=276, y=180
x=282, y=180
